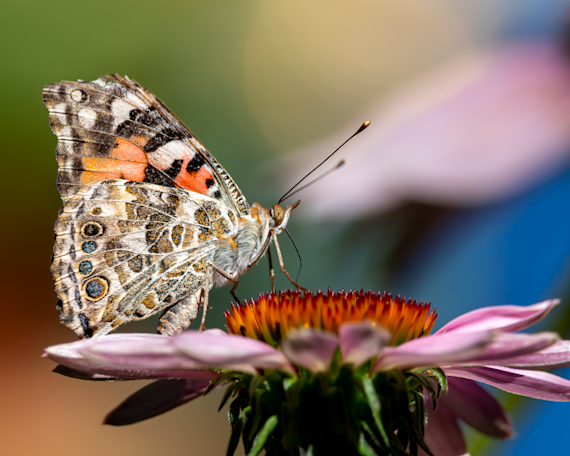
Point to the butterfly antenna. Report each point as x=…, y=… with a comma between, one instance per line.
x=298, y=254
x=340, y=164
x=362, y=127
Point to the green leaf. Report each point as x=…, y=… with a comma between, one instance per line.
x=364, y=447
x=237, y=429
x=263, y=435
x=309, y=451
x=374, y=404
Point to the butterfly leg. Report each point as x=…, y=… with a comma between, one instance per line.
x=271, y=270
x=227, y=275
x=180, y=315
x=281, y=263
x=204, y=298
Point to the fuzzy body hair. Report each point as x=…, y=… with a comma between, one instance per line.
x=238, y=254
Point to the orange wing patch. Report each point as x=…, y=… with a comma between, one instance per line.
x=195, y=182
x=127, y=162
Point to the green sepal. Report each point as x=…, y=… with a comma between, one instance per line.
x=371, y=435
x=222, y=380
x=374, y=404
x=257, y=407
x=403, y=401
x=230, y=390
x=439, y=375
x=237, y=430
x=263, y=435
x=364, y=447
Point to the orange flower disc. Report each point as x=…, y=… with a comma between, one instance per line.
x=271, y=316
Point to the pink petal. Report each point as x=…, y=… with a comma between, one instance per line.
x=227, y=351
x=310, y=348
x=155, y=399
x=434, y=351
x=502, y=318
x=148, y=353
x=536, y=384
x=102, y=356
x=480, y=410
x=443, y=435
x=483, y=127
x=510, y=345
x=361, y=341
x=555, y=356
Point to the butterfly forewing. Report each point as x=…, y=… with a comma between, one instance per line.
x=119, y=130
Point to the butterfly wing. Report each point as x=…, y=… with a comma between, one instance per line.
x=127, y=250
x=112, y=128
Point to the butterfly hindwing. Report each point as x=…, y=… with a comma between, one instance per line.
x=127, y=250
x=117, y=129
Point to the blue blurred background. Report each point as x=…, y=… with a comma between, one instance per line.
x=264, y=85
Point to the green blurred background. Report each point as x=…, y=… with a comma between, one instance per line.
x=254, y=80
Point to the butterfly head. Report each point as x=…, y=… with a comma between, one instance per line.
x=281, y=216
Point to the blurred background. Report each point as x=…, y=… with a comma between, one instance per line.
x=457, y=194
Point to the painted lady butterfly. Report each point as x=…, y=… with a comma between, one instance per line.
x=151, y=221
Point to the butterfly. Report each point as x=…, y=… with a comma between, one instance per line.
x=150, y=220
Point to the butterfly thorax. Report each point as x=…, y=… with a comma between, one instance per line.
x=238, y=254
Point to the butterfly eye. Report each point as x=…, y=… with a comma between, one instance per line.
x=278, y=214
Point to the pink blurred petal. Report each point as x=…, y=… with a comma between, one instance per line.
x=434, y=351
x=506, y=345
x=536, y=384
x=502, y=318
x=83, y=356
x=555, y=356
x=479, y=409
x=361, y=341
x=228, y=351
x=482, y=128
x=310, y=348
x=155, y=399
x=443, y=435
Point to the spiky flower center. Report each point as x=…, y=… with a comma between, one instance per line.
x=271, y=316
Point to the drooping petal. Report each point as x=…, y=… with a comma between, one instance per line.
x=443, y=435
x=310, y=348
x=153, y=358
x=552, y=357
x=154, y=399
x=536, y=384
x=502, y=318
x=434, y=350
x=227, y=351
x=361, y=341
x=506, y=345
x=479, y=409
x=151, y=353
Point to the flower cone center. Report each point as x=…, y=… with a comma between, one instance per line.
x=271, y=316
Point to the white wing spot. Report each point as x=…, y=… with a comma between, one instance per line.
x=165, y=155
x=121, y=109
x=77, y=95
x=87, y=117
